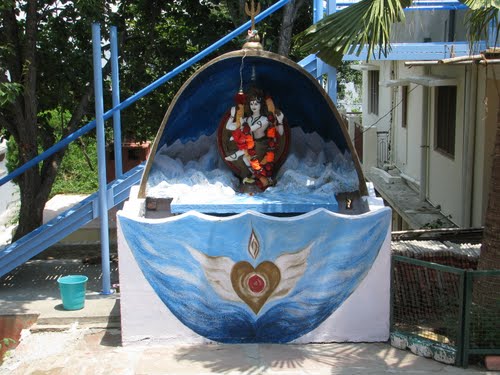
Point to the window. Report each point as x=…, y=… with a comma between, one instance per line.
x=446, y=107
x=373, y=78
x=404, y=106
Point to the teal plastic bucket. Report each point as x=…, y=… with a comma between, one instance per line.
x=72, y=290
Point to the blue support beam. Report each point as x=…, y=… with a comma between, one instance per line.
x=321, y=67
x=318, y=10
x=330, y=71
x=101, y=157
x=115, y=84
x=419, y=51
x=419, y=5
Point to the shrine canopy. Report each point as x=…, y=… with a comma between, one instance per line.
x=203, y=103
x=203, y=100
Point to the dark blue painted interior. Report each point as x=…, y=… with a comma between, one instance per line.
x=201, y=105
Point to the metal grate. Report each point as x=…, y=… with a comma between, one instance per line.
x=447, y=305
x=427, y=300
x=482, y=328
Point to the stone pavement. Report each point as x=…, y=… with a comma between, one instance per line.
x=88, y=351
x=88, y=341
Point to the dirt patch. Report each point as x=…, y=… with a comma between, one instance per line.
x=10, y=330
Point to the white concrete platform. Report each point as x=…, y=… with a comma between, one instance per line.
x=89, y=233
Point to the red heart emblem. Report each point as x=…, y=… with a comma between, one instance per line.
x=255, y=285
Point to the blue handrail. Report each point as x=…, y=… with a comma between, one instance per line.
x=138, y=95
x=418, y=5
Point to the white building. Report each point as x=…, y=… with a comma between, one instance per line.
x=429, y=121
x=9, y=200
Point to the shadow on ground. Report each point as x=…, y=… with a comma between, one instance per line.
x=256, y=359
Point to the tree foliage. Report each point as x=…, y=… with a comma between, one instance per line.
x=45, y=64
x=157, y=36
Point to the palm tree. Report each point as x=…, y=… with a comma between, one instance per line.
x=368, y=23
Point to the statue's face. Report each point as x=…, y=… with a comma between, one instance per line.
x=255, y=106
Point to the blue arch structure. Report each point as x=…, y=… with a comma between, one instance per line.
x=203, y=100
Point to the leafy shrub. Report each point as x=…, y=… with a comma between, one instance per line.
x=78, y=171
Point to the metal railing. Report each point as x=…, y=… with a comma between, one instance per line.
x=440, y=305
x=417, y=5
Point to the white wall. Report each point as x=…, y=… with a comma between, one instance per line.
x=145, y=319
x=420, y=25
x=447, y=178
x=445, y=175
x=9, y=200
x=407, y=142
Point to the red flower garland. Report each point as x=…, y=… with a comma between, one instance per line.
x=262, y=170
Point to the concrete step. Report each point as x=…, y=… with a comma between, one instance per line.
x=46, y=327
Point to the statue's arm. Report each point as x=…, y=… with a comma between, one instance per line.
x=280, y=116
x=231, y=123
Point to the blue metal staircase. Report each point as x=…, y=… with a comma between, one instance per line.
x=66, y=223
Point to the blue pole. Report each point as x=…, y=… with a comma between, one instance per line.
x=331, y=7
x=491, y=40
x=115, y=83
x=130, y=100
x=317, y=10
x=101, y=156
x=422, y=5
x=330, y=70
x=322, y=68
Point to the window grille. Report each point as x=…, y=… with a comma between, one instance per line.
x=373, y=91
x=446, y=107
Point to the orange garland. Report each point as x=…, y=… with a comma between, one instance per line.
x=245, y=141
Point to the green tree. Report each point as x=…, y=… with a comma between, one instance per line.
x=157, y=37
x=45, y=63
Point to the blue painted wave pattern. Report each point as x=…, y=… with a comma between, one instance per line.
x=343, y=251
